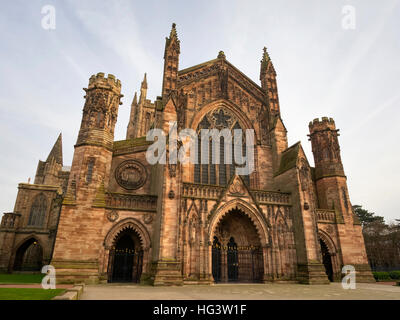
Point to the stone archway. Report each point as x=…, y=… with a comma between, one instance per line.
x=126, y=257
x=237, y=254
x=127, y=251
x=326, y=260
x=29, y=256
x=329, y=256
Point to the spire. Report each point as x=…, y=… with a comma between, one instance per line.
x=172, y=41
x=173, y=34
x=130, y=132
x=134, y=102
x=143, y=90
x=266, y=58
x=171, y=63
x=56, y=151
x=144, y=82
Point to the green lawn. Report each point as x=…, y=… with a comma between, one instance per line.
x=21, y=278
x=28, y=294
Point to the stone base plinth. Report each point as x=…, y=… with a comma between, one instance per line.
x=166, y=273
x=364, y=273
x=76, y=272
x=312, y=273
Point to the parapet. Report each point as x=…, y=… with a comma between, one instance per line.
x=99, y=81
x=324, y=124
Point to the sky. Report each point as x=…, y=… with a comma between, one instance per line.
x=325, y=67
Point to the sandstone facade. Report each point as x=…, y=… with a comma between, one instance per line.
x=123, y=219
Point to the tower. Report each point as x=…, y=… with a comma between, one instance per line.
x=171, y=63
x=329, y=173
x=332, y=193
x=271, y=118
x=83, y=207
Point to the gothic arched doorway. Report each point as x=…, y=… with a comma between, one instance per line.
x=326, y=260
x=126, y=258
x=237, y=254
x=29, y=256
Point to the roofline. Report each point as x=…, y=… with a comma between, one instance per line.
x=197, y=66
x=183, y=71
x=292, y=146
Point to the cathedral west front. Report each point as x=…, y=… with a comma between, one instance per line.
x=113, y=217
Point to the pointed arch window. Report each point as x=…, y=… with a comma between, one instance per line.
x=38, y=211
x=89, y=173
x=218, y=174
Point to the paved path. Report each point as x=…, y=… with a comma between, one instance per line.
x=279, y=291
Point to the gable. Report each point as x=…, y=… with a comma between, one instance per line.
x=291, y=158
x=210, y=71
x=236, y=189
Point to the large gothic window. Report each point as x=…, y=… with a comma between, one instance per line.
x=218, y=174
x=38, y=211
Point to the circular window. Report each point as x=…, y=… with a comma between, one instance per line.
x=131, y=175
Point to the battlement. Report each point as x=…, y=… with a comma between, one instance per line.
x=324, y=124
x=100, y=81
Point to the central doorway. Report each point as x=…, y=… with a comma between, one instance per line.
x=236, y=250
x=126, y=258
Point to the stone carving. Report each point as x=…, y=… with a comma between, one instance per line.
x=264, y=165
x=112, y=216
x=148, y=218
x=221, y=118
x=329, y=229
x=172, y=170
x=237, y=188
x=304, y=175
x=131, y=175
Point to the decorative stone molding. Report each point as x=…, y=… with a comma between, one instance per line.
x=131, y=175
x=237, y=188
x=128, y=223
x=112, y=216
x=137, y=202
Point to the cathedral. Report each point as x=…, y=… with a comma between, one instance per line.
x=113, y=217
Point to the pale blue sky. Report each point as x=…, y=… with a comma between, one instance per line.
x=323, y=70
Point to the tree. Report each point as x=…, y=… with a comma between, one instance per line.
x=382, y=241
x=365, y=216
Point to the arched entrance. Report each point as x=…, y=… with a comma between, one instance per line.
x=327, y=260
x=126, y=257
x=237, y=254
x=29, y=256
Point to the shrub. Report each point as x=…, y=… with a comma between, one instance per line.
x=395, y=275
x=381, y=276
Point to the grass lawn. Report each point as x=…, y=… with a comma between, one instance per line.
x=28, y=294
x=14, y=278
